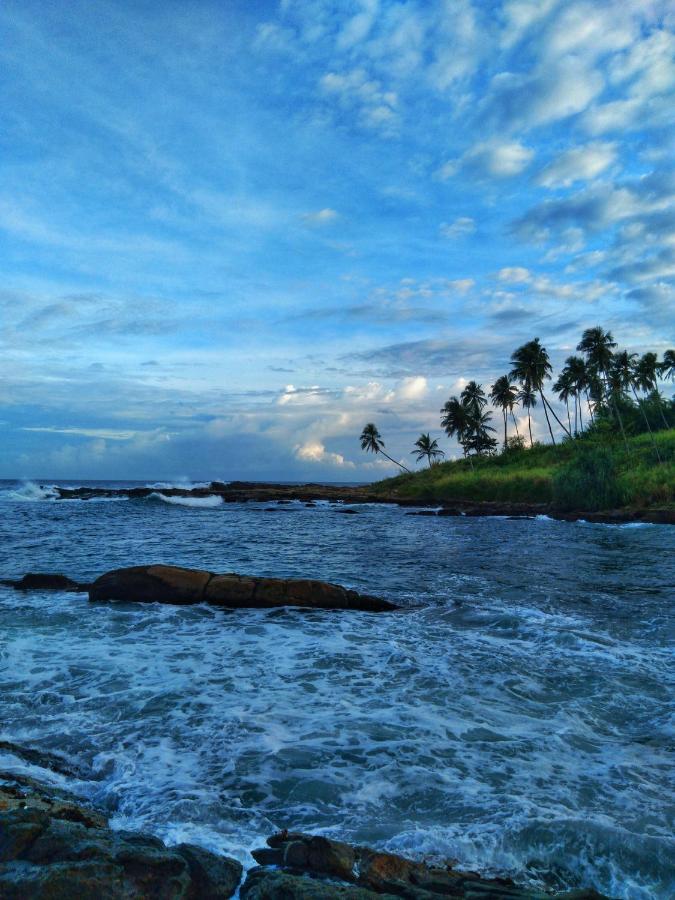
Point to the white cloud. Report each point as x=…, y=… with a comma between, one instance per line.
x=458, y=228
x=577, y=164
x=497, y=159
x=514, y=274
x=413, y=388
x=314, y=451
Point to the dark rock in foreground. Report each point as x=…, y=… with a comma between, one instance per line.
x=54, y=848
x=171, y=584
x=43, y=582
x=309, y=867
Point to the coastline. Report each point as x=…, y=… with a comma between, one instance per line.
x=267, y=492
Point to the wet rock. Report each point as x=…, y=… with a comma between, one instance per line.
x=35, y=581
x=169, y=584
x=267, y=884
x=349, y=512
x=44, y=759
x=58, y=849
x=296, y=855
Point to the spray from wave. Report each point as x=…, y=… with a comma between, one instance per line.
x=210, y=502
x=29, y=491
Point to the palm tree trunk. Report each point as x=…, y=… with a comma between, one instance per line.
x=504, y=413
x=649, y=427
x=529, y=425
x=590, y=409
x=400, y=465
x=548, y=421
x=546, y=403
x=576, y=417
x=515, y=422
x=569, y=421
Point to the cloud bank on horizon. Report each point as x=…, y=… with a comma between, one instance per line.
x=234, y=233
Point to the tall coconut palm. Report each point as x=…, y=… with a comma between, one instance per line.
x=667, y=365
x=527, y=399
x=504, y=395
x=647, y=372
x=576, y=369
x=532, y=366
x=371, y=441
x=598, y=345
x=455, y=418
x=427, y=447
x=478, y=438
x=473, y=397
x=624, y=374
x=564, y=387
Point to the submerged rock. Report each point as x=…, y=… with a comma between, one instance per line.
x=171, y=584
x=54, y=847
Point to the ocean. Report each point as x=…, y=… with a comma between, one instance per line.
x=514, y=716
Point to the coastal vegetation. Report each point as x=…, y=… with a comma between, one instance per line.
x=617, y=446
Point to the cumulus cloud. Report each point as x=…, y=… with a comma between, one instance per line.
x=514, y=274
x=577, y=164
x=313, y=451
x=497, y=159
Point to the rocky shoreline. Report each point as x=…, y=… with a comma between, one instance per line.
x=259, y=492
x=55, y=847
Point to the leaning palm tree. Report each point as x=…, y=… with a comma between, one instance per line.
x=532, y=366
x=624, y=374
x=504, y=395
x=667, y=365
x=427, y=447
x=576, y=370
x=527, y=399
x=371, y=441
x=564, y=387
x=647, y=372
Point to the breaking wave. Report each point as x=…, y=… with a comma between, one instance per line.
x=210, y=502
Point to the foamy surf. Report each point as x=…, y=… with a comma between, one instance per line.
x=210, y=502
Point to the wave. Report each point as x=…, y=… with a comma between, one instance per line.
x=29, y=491
x=210, y=502
x=186, y=484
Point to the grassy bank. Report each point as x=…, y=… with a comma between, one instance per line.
x=584, y=474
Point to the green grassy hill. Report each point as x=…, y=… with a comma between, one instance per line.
x=583, y=474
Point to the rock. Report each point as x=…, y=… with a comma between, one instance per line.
x=44, y=759
x=34, y=581
x=349, y=512
x=272, y=884
x=374, y=873
x=169, y=584
x=57, y=849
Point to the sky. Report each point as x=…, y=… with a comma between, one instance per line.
x=232, y=233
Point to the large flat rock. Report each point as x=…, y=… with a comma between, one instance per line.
x=171, y=584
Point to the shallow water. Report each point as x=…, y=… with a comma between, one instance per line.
x=514, y=717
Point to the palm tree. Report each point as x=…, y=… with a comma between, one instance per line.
x=532, y=366
x=371, y=441
x=576, y=369
x=527, y=399
x=564, y=387
x=504, y=395
x=598, y=345
x=473, y=397
x=647, y=371
x=455, y=418
x=624, y=375
x=667, y=365
x=427, y=447
x=477, y=438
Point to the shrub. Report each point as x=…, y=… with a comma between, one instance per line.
x=588, y=482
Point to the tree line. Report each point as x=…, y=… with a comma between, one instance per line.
x=612, y=385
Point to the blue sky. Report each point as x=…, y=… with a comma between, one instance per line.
x=233, y=233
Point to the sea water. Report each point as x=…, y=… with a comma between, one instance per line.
x=514, y=715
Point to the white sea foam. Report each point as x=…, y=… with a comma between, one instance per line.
x=30, y=491
x=210, y=502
